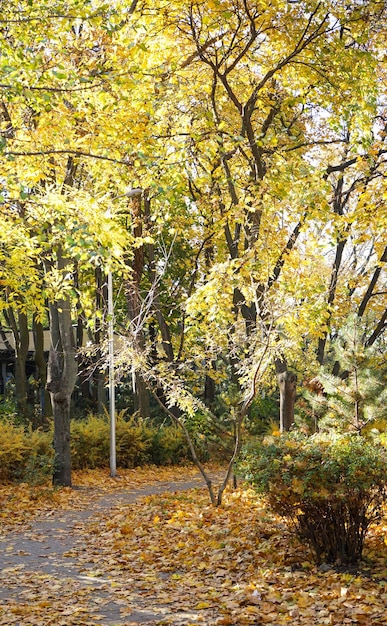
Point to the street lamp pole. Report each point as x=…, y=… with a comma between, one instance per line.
x=112, y=398
x=130, y=193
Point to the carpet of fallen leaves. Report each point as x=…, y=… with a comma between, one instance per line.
x=233, y=565
x=21, y=503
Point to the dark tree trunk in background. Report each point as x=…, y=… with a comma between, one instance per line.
x=287, y=382
x=21, y=382
x=133, y=300
x=40, y=361
x=20, y=333
x=209, y=391
x=99, y=389
x=83, y=369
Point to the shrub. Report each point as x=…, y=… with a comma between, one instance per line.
x=13, y=449
x=25, y=455
x=133, y=442
x=330, y=486
x=40, y=459
x=138, y=442
x=168, y=445
x=90, y=442
x=356, y=397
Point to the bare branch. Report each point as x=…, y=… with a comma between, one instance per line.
x=380, y=328
x=289, y=246
x=195, y=458
x=51, y=89
x=89, y=155
x=368, y=294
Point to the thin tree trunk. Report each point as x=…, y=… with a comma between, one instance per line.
x=287, y=381
x=61, y=378
x=368, y=294
x=40, y=361
x=99, y=389
x=19, y=329
x=209, y=391
x=338, y=208
x=133, y=300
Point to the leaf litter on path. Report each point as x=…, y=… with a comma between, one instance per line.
x=172, y=558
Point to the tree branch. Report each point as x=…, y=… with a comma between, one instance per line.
x=195, y=458
x=380, y=328
x=374, y=279
x=289, y=246
x=89, y=155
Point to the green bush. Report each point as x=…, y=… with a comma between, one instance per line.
x=330, y=486
x=40, y=459
x=133, y=442
x=13, y=450
x=90, y=443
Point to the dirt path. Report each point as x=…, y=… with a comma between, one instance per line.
x=46, y=578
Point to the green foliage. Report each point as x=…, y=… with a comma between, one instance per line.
x=8, y=411
x=378, y=431
x=13, y=449
x=356, y=397
x=210, y=434
x=40, y=461
x=263, y=415
x=331, y=487
x=132, y=439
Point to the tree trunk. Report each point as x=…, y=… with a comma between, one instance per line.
x=4, y=377
x=209, y=391
x=40, y=361
x=101, y=298
x=133, y=300
x=61, y=378
x=62, y=465
x=140, y=396
x=21, y=336
x=338, y=207
x=20, y=366
x=287, y=382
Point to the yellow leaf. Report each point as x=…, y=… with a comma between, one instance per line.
x=203, y=605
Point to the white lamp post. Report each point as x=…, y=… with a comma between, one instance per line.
x=130, y=193
x=112, y=395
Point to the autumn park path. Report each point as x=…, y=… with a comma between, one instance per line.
x=48, y=575
x=150, y=549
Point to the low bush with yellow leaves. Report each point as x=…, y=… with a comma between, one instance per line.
x=25, y=455
x=138, y=442
x=332, y=487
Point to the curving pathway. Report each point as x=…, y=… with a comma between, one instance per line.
x=45, y=567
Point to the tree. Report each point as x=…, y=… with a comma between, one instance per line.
x=259, y=139
x=257, y=133
x=19, y=275
x=38, y=190
x=61, y=378
x=354, y=399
